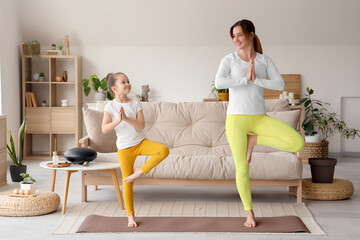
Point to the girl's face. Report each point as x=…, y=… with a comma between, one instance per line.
x=122, y=85
x=240, y=39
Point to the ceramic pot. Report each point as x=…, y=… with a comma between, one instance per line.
x=315, y=138
x=28, y=186
x=59, y=78
x=322, y=169
x=99, y=96
x=15, y=172
x=223, y=96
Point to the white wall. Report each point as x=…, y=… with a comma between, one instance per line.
x=10, y=64
x=176, y=46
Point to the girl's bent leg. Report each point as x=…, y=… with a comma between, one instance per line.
x=157, y=151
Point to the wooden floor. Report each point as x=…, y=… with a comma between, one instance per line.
x=339, y=219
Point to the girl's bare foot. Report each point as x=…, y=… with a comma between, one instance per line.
x=250, y=219
x=251, y=142
x=138, y=173
x=131, y=221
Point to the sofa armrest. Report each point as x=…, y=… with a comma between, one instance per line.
x=84, y=142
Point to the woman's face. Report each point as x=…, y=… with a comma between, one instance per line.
x=240, y=39
x=122, y=85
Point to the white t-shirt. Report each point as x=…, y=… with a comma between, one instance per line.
x=127, y=134
x=247, y=97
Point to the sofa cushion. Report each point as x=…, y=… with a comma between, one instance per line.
x=98, y=141
x=216, y=167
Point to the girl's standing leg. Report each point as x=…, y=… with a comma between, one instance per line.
x=237, y=127
x=127, y=158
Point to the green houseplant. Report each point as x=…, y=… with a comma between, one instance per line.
x=223, y=94
x=319, y=119
x=99, y=86
x=27, y=183
x=16, y=168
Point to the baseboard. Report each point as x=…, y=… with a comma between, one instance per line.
x=344, y=154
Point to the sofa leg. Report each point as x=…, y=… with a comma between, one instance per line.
x=95, y=187
x=83, y=187
x=299, y=191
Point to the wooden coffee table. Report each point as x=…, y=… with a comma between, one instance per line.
x=93, y=166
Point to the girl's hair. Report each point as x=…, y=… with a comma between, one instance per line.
x=247, y=28
x=111, y=79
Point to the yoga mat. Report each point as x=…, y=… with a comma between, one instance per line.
x=102, y=224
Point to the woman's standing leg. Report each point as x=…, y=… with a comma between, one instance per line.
x=236, y=132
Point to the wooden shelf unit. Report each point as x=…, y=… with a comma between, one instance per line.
x=48, y=123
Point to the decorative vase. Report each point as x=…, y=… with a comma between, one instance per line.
x=28, y=186
x=223, y=96
x=36, y=77
x=59, y=78
x=322, y=169
x=65, y=76
x=15, y=172
x=99, y=96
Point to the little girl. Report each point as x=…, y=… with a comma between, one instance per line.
x=125, y=115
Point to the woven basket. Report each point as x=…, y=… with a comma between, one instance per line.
x=339, y=189
x=43, y=203
x=314, y=150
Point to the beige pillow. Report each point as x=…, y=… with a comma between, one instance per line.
x=289, y=117
x=98, y=141
x=276, y=105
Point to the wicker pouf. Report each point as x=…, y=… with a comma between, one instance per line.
x=339, y=189
x=44, y=202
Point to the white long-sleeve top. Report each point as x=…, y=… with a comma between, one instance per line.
x=247, y=97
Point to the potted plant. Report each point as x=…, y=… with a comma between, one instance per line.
x=311, y=109
x=53, y=46
x=41, y=77
x=61, y=49
x=322, y=167
x=223, y=94
x=99, y=86
x=31, y=48
x=43, y=103
x=16, y=168
x=27, y=183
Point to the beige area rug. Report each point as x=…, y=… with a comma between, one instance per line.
x=74, y=217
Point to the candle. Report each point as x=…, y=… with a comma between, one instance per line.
x=281, y=96
x=285, y=93
x=291, y=95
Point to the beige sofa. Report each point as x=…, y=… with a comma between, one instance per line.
x=199, y=151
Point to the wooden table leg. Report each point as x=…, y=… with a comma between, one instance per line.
x=84, y=187
x=117, y=189
x=53, y=180
x=66, y=188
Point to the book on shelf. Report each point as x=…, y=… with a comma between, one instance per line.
x=31, y=99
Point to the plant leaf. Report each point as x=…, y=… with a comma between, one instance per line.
x=12, y=144
x=20, y=139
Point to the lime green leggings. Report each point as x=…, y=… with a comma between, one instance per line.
x=269, y=131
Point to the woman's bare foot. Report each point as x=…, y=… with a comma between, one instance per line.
x=250, y=219
x=138, y=173
x=131, y=221
x=251, y=142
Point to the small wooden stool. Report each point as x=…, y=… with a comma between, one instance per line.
x=44, y=202
x=338, y=190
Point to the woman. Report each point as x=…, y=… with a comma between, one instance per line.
x=244, y=73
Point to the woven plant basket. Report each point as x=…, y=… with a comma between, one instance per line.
x=314, y=150
x=43, y=203
x=31, y=49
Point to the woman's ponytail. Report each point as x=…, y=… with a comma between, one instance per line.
x=257, y=44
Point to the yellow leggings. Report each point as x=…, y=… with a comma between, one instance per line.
x=127, y=158
x=269, y=131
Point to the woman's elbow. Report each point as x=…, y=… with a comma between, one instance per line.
x=218, y=84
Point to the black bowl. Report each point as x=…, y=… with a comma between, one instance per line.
x=80, y=155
